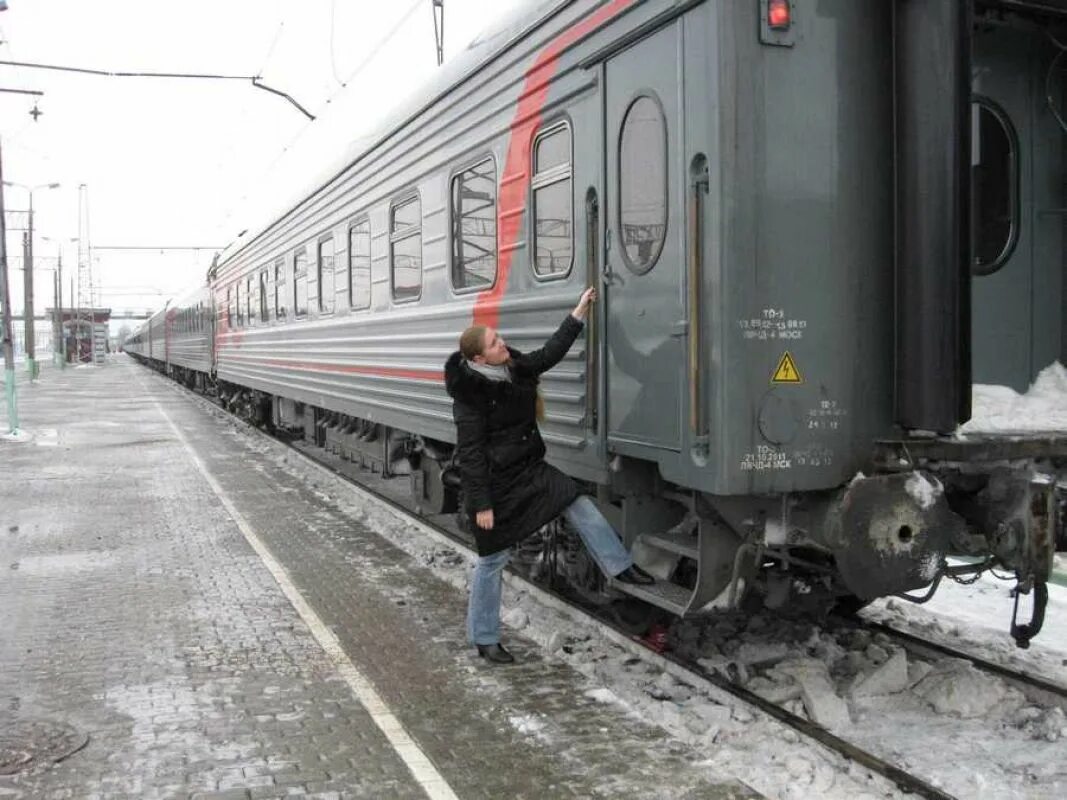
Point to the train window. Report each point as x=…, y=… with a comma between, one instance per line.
x=642, y=200
x=237, y=302
x=230, y=321
x=249, y=302
x=280, y=309
x=405, y=244
x=326, y=283
x=264, y=282
x=553, y=213
x=474, y=227
x=553, y=149
x=994, y=187
x=359, y=265
x=300, y=283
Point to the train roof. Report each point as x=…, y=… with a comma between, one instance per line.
x=350, y=133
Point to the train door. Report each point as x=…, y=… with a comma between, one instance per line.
x=1018, y=198
x=644, y=263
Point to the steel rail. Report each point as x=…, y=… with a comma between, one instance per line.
x=911, y=641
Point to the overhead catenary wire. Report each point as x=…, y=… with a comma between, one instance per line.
x=411, y=10
x=377, y=49
x=255, y=80
x=333, y=31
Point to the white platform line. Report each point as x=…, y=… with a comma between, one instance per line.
x=416, y=760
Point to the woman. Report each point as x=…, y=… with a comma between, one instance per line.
x=510, y=490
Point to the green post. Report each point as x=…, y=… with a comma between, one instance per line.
x=5, y=331
x=12, y=405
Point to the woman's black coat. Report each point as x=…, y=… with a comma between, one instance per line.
x=501, y=454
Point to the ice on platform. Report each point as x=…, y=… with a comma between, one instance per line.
x=21, y=435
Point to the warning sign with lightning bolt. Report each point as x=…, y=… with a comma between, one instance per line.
x=787, y=371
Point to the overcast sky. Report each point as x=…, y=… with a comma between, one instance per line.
x=173, y=163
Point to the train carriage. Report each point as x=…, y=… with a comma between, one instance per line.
x=189, y=323
x=813, y=223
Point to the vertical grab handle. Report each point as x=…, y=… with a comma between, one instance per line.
x=592, y=331
x=698, y=188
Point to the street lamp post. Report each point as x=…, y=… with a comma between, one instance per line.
x=5, y=333
x=59, y=301
x=31, y=360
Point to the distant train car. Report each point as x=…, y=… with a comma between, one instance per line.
x=813, y=224
x=190, y=332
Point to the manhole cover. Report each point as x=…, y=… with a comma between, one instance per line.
x=26, y=744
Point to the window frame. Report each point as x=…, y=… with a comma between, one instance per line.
x=296, y=282
x=281, y=312
x=250, y=283
x=351, y=226
x=630, y=265
x=550, y=176
x=466, y=167
x=403, y=200
x=264, y=282
x=326, y=237
x=981, y=102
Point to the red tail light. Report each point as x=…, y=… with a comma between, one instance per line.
x=779, y=15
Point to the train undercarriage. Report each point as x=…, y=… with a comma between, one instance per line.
x=931, y=510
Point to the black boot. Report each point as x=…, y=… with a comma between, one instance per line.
x=495, y=653
x=634, y=574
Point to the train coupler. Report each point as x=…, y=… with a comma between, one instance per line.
x=1022, y=633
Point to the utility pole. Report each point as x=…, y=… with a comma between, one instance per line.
x=27, y=268
x=9, y=355
x=439, y=29
x=86, y=319
x=59, y=305
x=27, y=311
x=56, y=317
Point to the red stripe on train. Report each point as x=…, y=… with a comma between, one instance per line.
x=515, y=182
x=435, y=376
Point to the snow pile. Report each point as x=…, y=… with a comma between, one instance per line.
x=998, y=409
x=924, y=490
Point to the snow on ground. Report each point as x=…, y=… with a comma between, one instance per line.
x=977, y=618
x=19, y=436
x=960, y=729
x=998, y=409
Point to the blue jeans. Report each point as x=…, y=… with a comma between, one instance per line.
x=483, y=611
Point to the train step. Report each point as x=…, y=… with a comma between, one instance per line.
x=664, y=594
x=683, y=544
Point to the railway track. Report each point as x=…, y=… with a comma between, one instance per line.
x=399, y=502
x=1036, y=688
x=690, y=670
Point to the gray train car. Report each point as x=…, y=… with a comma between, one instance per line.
x=813, y=223
x=136, y=343
x=190, y=321
x=157, y=338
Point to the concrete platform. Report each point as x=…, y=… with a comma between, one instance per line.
x=191, y=621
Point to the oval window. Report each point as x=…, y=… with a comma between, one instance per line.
x=643, y=183
x=994, y=188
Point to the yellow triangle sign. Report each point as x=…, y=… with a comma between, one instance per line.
x=787, y=371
